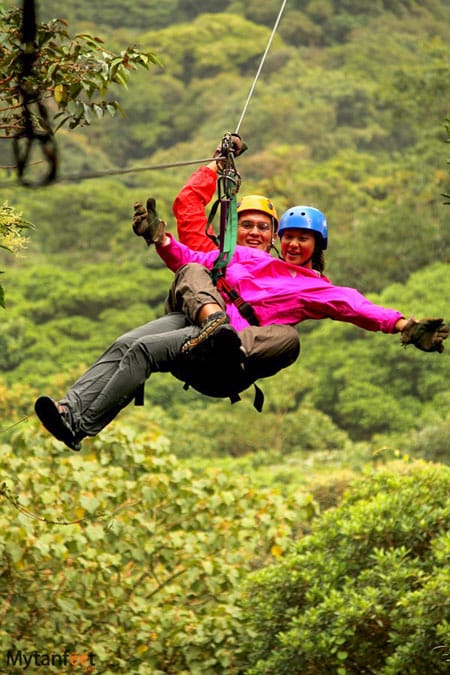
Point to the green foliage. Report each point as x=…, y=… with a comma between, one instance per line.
x=12, y=237
x=432, y=441
x=286, y=425
x=342, y=127
x=447, y=128
x=70, y=70
x=318, y=22
x=122, y=551
x=367, y=383
x=347, y=116
x=366, y=591
x=88, y=222
x=114, y=14
x=95, y=305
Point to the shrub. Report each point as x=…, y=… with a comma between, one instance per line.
x=366, y=591
x=146, y=577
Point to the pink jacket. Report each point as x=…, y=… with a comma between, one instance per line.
x=281, y=293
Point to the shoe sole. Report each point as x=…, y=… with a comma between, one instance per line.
x=45, y=408
x=204, y=334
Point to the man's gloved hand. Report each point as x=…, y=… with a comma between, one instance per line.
x=239, y=147
x=427, y=334
x=147, y=224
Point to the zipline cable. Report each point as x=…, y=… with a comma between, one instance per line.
x=53, y=178
x=229, y=181
x=110, y=172
x=252, y=88
x=136, y=169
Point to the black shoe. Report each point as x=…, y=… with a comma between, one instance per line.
x=218, y=365
x=226, y=344
x=207, y=329
x=223, y=350
x=53, y=420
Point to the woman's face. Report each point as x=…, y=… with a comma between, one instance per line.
x=297, y=246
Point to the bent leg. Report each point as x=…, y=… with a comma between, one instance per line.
x=269, y=349
x=191, y=289
x=147, y=354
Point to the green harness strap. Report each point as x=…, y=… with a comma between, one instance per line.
x=228, y=238
x=228, y=186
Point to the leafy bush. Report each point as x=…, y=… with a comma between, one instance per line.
x=367, y=591
x=11, y=234
x=129, y=555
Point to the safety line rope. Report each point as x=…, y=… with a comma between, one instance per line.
x=109, y=172
x=252, y=88
x=136, y=169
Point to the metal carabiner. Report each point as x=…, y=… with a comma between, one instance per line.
x=229, y=178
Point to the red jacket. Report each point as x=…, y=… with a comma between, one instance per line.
x=189, y=210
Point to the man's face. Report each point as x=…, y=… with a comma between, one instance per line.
x=255, y=229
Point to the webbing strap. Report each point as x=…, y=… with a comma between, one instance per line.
x=258, y=401
x=244, y=308
x=227, y=237
x=139, y=395
x=209, y=233
x=228, y=184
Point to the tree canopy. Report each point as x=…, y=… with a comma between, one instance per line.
x=177, y=541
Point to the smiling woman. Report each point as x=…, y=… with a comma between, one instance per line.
x=298, y=246
x=303, y=236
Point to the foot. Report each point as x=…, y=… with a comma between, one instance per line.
x=226, y=343
x=51, y=415
x=207, y=329
x=222, y=349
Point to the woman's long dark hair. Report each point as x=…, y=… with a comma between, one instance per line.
x=318, y=257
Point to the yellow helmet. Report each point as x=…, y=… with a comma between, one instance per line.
x=258, y=203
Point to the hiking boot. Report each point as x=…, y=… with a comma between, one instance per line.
x=55, y=418
x=207, y=329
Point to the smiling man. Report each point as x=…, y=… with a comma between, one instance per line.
x=257, y=222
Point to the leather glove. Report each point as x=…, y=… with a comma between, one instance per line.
x=238, y=146
x=147, y=224
x=427, y=334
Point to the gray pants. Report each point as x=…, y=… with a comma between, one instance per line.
x=112, y=381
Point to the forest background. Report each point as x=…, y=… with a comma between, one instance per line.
x=348, y=115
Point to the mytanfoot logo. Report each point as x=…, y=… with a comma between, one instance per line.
x=82, y=660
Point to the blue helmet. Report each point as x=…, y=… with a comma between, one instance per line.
x=305, y=218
